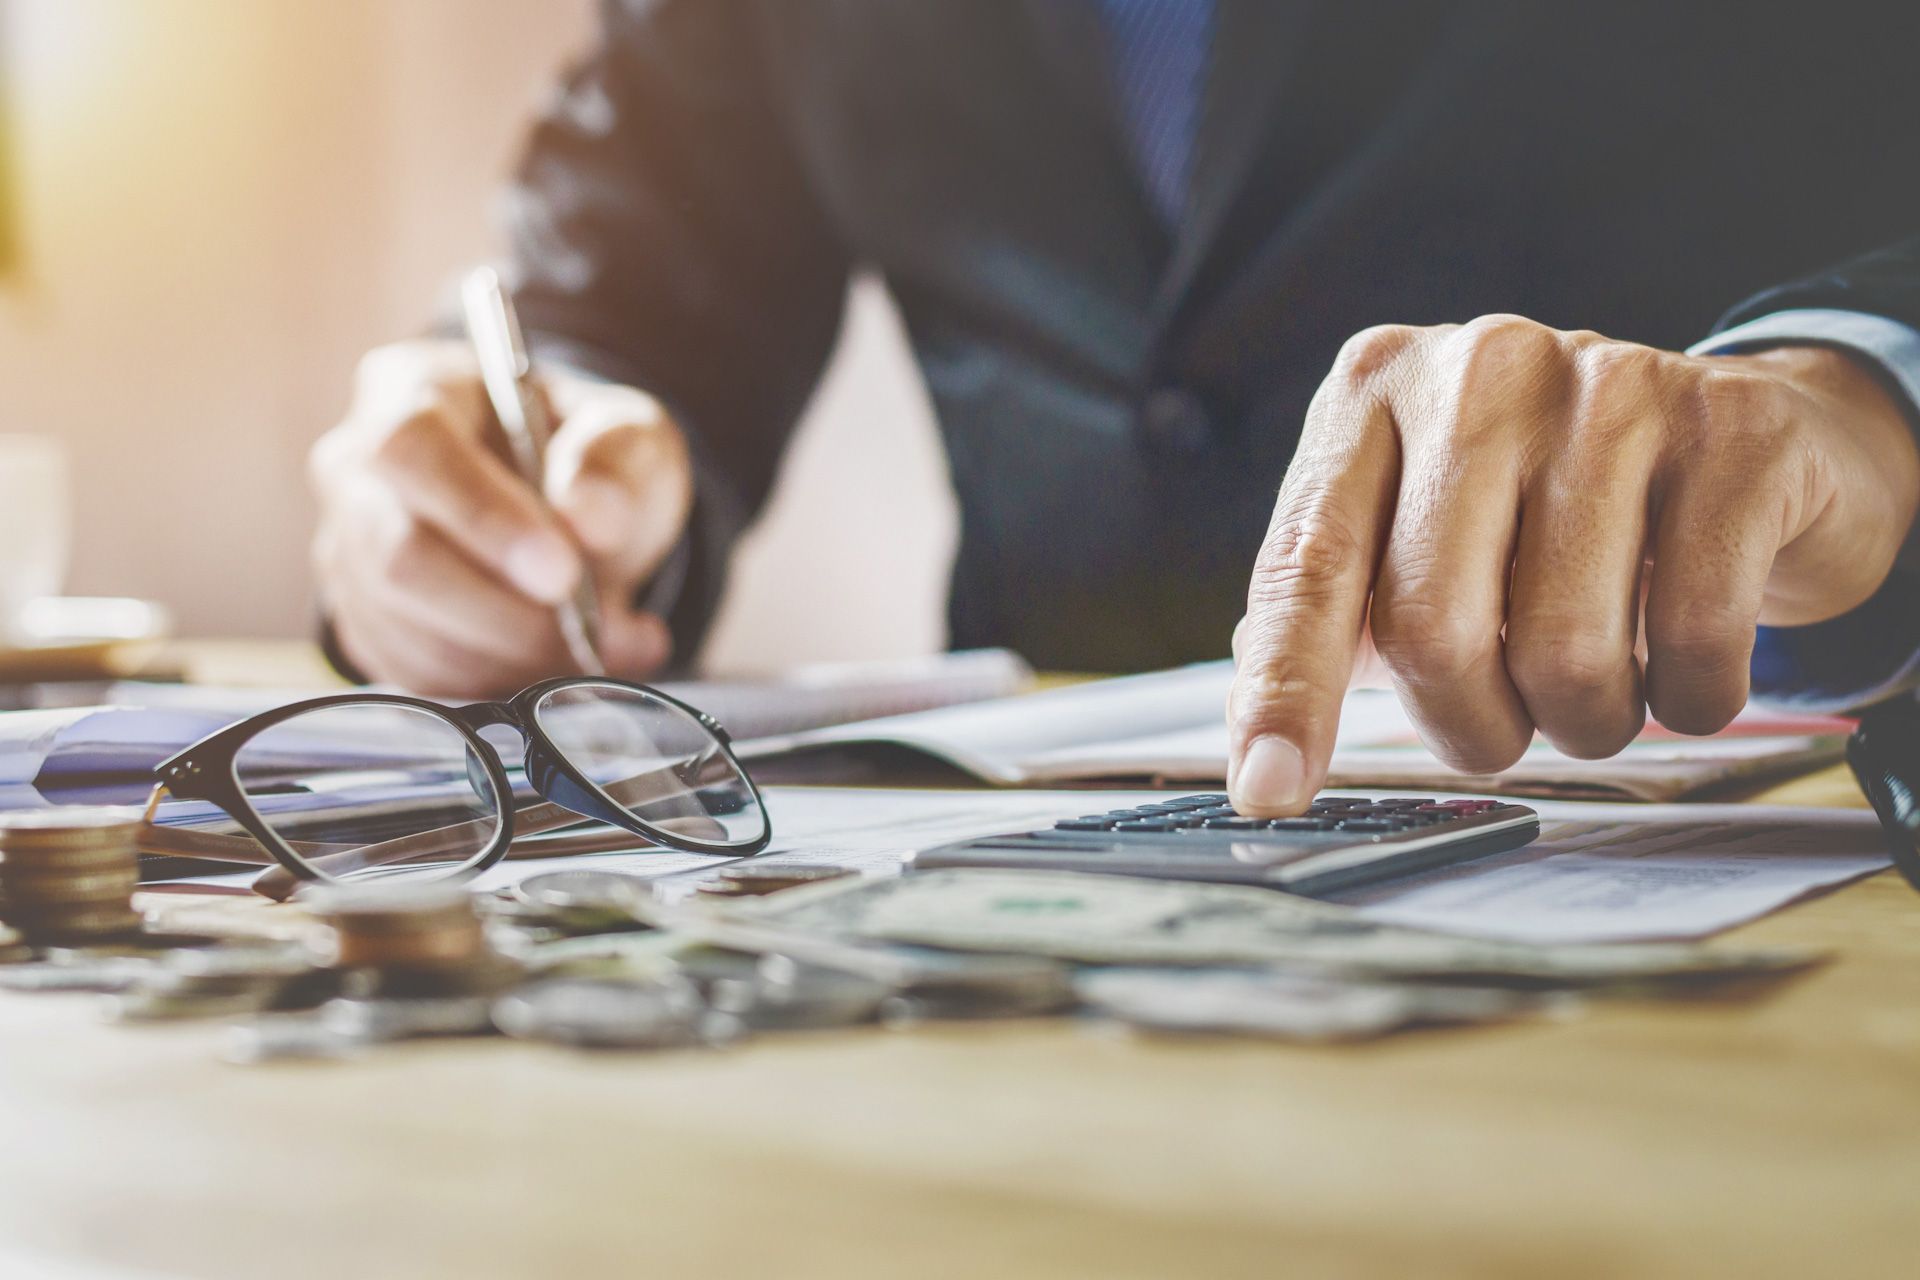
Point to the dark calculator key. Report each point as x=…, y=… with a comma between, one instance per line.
x=1215, y=811
x=1084, y=824
x=1368, y=824
x=1398, y=803
x=1302, y=824
x=1234, y=824
x=1210, y=797
x=1147, y=824
x=1186, y=803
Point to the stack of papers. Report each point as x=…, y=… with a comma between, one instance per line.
x=1170, y=726
x=1598, y=872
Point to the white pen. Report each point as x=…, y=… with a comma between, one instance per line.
x=507, y=371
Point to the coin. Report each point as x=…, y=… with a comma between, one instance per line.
x=179, y=1002
x=18, y=860
x=279, y=1037
x=112, y=974
x=396, y=926
x=241, y=960
x=960, y=985
x=666, y=1012
x=68, y=884
x=771, y=877
x=60, y=819
x=77, y=923
x=581, y=887
x=781, y=995
x=404, y=1019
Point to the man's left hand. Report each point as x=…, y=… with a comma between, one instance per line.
x=1548, y=530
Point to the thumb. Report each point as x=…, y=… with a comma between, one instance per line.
x=619, y=474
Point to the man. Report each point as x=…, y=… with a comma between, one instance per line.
x=1129, y=239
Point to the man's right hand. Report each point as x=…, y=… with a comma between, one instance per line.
x=440, y=569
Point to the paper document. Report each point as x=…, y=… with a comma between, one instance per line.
x=1598, y=872
x=1614, y=873
x=105, y=754
x=1171, y=726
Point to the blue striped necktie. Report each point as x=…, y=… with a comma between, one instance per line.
x=1159, y=50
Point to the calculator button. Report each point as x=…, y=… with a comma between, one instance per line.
x=1215, y=811
x=1233, y=824
x=1210, y=797
x=1083, y=824
x=1302, y=824
x=1368, y=825
x=1147, y=824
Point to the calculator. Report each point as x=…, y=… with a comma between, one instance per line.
x=1340, y=842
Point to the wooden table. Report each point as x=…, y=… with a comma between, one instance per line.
x=1758, y=1137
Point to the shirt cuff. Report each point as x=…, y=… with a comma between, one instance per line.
x=1872, y=652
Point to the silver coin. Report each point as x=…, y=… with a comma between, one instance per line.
x=666, y=1012
x=188, y=1004
x=263, y=959
x=957, y=985
x=784, y=873
x=280, y=1037
x=116, y=973
x=406, y=1018
x=783, y=996
x=582, y=888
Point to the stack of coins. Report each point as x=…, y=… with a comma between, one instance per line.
x=754, y=879
x=68, y=874
x=400, y=928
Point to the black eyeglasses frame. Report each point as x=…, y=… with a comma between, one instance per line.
x=205, y=770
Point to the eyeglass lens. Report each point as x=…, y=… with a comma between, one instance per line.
x=653, y=759
x=334, y=782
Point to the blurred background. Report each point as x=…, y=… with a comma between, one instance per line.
x=213, y=206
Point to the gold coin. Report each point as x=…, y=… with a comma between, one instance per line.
x=27, y=891
x=79, y=926
x=27, y=862
x=28, y=824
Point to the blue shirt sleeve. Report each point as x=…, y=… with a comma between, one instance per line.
x=1873, y=651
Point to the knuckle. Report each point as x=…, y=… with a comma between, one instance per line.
x=417, y=441
x=1563, y=662
x=1281, y=693
x=1505, y=333
x=1423, y=638
x=1506, y=362
x=1371, y=352
x=1305, y=556
x=1700, y=637
x=1477, y=755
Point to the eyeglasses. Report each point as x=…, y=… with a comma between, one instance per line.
x=363, y=784
x=1884, y=753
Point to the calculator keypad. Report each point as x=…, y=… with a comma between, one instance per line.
x=1330, y=814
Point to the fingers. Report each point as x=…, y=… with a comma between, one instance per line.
x=1712, y=551
x=619, y=474
x=439, y=470
x=441, y=567
x=415, y=611
x=1308, y=598
x=1440, y=601
x=1573, y=614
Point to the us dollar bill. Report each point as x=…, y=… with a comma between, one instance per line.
x=1102, y=919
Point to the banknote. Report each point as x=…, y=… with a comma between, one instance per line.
x=1120, y=920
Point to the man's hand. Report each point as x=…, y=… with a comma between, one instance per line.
x=1551, y=530
x=440, y=569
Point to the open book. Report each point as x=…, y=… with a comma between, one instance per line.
x=1170, y=726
